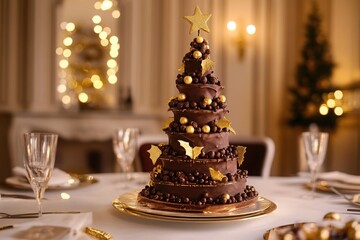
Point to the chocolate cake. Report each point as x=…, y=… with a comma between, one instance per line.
x=198, y=170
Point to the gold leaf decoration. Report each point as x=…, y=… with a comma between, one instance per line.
x=189, y=151
x=155, y=153
x=197, y=151
x=167, y=122
x=198, y=21
x=172, y=98
x=187, y=147
x=241, y=152
x=216, y=175
x=182, y=68
x=206, y=65
x=225, y=123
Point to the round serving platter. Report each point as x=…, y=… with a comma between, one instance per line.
x=128, y=204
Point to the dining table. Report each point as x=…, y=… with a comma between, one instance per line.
x=289, y=196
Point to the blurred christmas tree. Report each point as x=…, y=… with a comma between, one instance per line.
x=313, y=79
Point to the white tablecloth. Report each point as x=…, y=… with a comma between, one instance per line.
x=286, y=192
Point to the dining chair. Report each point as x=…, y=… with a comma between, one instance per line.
x=259, y=154
x=258, y=157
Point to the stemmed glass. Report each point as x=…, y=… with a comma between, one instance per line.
x=125, y=147
x=39, y=159
x=315, y=144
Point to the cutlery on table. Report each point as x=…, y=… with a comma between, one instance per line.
x=354, y=199
x=20, y=196
x=32, y=214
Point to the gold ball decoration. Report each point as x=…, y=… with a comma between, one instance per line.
x=197, y=54
x=190, y=129
x=183, y=120
x=226, y=196
x=332, y=216
x=207, y=101
x=188, y=80
x=206, y=128
x=181, y=97
x=222, y=98
x=207, y=47
x=199, y=39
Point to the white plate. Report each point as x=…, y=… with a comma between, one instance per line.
x=75, y=182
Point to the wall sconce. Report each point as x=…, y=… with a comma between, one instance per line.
x=243, y=34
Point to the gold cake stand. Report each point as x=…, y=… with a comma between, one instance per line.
x=128, y=204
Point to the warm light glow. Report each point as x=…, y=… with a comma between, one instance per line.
x=97, y=29
x=115, y=46
x=97, y=5
x=95, y=78
x=111, y=71
x=70, y=27
x=106, y=5
x=67, y=53
x=66, y=99
x=231, y=26
x=338, y=111
x=65, y=196
x=63, y=25
x=116, y=14
x=111, y=63
x=338, y=94
x=68, y=41
x=83, y=97
x=114, y=39
x=63, y=63
x=114, y=53
x=96, y=19
x=330, y=103
x=251, y=29
x=59, y=51
x=61, y=88
x=107, y=30
x=98, y=84
x=112, y=79
x=103, y=35
x=323, y=109
x=104, y=42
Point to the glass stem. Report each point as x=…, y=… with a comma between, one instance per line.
x=39, y=195
x=313, y=181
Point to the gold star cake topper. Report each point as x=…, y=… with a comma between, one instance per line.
x=198, y=21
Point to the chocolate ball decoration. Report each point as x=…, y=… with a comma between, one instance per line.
x=206, y=128
x=199, y=39
x=181, y=97
x=207, y=101
x=183, y=120
x=197, y=54
x=222, y=98
x=190, y=129
x=188, y=80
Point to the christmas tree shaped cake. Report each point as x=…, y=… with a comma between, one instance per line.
x=198, y=169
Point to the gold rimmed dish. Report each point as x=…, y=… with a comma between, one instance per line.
x=76, y=181
x=284, y=228
x=325, y=186
x=128, y=204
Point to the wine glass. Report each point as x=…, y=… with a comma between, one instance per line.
x=125, y=147
x=39, y=159
x=315, y=144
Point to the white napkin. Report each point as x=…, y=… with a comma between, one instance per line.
x=76, y=222
x=340, y=176
x=58, y=177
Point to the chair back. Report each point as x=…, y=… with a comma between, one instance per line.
x=259, y=154
x=143, y=162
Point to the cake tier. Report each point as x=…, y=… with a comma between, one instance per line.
x=196, y=192
x=210, y=142
x=201, y=117
x=197, y=92
x=178, y=164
